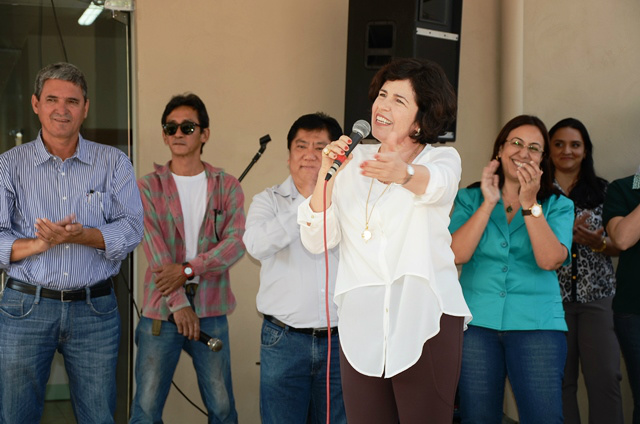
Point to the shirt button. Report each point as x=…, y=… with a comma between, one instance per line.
x=504, y=244
x=66, y=246
x=503, y=294
x=62, y=173
x=64, y=197
x=505, y=268
x=66, y=274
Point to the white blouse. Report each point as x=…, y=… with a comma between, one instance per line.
x=392, y=289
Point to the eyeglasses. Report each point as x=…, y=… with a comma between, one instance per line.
x=186, y=127
x=518, y=143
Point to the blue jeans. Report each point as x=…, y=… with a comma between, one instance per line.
x=627, y=327
x=534, y=362
x=293, y=369
x=86, y=333
x=156, y=363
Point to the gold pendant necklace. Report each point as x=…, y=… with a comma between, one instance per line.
x=509, y=207
x=366, y=233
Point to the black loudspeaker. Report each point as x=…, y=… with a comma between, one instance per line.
x=380, y=30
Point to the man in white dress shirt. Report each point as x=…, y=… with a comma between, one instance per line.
x=293, y=353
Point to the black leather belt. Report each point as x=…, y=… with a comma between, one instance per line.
x=318, y=332
x=101, y=288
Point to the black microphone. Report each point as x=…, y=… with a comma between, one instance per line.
x=360, y=130
x=212, y=343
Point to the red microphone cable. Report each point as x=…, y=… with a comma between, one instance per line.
x=326, y=298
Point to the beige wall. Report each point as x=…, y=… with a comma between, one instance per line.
x=259, y=65
x=582, y=60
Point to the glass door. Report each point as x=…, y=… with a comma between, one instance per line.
x=34, y=33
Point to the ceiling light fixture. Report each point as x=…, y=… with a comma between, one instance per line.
x=90, y=14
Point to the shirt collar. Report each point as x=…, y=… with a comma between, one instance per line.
x=42, y=154
x=165, y=170
x=557, y=185
x=287, y=188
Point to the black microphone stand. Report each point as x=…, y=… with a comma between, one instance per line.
x=263, y=146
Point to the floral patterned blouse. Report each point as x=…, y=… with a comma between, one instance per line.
x=590, y=276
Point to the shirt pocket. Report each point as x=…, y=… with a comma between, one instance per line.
x=214, y=226
x=93, y=210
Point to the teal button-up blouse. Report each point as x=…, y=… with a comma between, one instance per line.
x=502, y=284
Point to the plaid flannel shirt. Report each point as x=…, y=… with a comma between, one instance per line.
x=163, y=241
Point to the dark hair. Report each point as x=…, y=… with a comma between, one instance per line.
x=192, y=101
x=546, y=181
x=60, y=71
x=435, y=96
x=318, y=121
x=589, y=190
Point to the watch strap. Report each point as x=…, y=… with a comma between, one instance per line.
x=186, y=265
x=410, y=172
x=527, y=212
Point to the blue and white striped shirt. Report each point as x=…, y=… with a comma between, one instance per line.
x=97, y=184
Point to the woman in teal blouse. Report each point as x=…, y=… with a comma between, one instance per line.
x=512, y=231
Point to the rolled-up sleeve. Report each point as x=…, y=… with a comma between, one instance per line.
x=124, y=228
x=445, y=169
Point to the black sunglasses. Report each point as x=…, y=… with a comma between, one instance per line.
x=186, y=127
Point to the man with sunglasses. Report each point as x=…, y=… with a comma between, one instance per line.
x=70, y=212
x=293, y=351
x=194, y=222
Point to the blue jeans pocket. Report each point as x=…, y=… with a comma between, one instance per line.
x=103, y=305
x=15, y=304
x=271, y=334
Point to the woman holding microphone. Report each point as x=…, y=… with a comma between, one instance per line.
x=401, y=308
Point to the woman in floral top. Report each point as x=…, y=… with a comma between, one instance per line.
x=588, y=283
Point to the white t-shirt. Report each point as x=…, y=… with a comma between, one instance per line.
x=193, y=201
x=391, y=290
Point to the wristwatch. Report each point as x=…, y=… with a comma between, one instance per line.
x=410, y=173
x=535, y=210
x=187, y=270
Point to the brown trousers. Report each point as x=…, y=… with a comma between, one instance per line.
x=422, y=394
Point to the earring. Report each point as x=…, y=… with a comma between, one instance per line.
x=498, y=158
x=417, y=133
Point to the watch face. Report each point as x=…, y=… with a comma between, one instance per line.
x=188, y=271
x=536, y=210
x=410, y=170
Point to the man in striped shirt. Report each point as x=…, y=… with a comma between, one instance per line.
x=194, y=222
x=69, y=214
